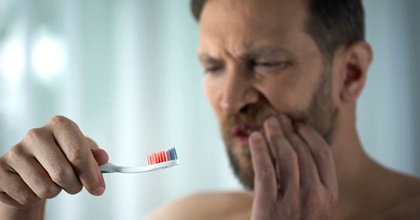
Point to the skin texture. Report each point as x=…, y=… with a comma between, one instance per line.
x=303, y=159
x=259, y=79
x=49, y=159
x=293, y=166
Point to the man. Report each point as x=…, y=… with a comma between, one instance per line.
x=289, y=72
x=283, y=78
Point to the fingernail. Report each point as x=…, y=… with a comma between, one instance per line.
x=256, y=136
x=273, y=122
x=284, y=119
x=99, y=191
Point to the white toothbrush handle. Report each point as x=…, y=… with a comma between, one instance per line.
x=111, y=168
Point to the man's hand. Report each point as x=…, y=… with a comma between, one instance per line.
x=51, y=158
x=300, y=181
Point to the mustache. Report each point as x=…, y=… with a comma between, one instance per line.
x=255, y=114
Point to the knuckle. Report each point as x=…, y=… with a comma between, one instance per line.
x=61, y=121
x=3, y=164
x=315, y=199
x=265, y=173
x=60, y=176
x=76, y=155
x=263, y=179
x=27, y=198
x=292, y=157
x=14, y=156
x=74, y=189
x=33, y=135
x=334, y=198
x=58, y=119
x=48, y=191
x=15, y=153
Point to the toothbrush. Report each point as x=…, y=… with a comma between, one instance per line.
x=155, y=161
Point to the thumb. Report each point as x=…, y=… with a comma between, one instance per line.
x=100, y=156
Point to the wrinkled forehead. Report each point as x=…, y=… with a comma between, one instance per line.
x=250, y=21
x=263, y=11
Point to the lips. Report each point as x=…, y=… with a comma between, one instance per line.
x=242, y=132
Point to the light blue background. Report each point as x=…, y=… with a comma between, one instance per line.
x=131, y=80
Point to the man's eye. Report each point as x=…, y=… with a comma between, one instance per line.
x=276, y=64
x=270, y=66
x=212, y=69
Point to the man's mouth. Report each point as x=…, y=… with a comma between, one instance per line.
x=241, y=133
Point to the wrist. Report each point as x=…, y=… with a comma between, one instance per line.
x=34, y=212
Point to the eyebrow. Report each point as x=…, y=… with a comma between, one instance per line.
x=207, y=58
x=250, y=53
x=265, y=51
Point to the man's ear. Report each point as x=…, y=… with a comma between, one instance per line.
x=356, y=61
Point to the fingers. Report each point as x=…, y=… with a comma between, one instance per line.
x=265, y=183
x=301, y=156
x=51, y=163
x=322, y=155
x=77, y=150
x=13, y=190
x=307, y=167
x=35, y=177
x=55, y=157
x=285, y=157
x=100, y=156
x=92, y=143
x=301, y=163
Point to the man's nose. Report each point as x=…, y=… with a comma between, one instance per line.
x=237, y=93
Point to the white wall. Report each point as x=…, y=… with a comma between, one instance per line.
x=389, y=109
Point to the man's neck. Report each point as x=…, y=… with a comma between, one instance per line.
x=351, y=162
x=364, y=185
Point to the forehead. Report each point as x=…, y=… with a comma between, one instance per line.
x=246, y=22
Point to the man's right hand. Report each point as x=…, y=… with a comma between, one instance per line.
x=298, y=179
x=51, y=158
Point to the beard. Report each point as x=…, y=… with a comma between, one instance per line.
x=321, y=114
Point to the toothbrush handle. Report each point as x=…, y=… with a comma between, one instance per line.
x=111, y=168
x=107, y=168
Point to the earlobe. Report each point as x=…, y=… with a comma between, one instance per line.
x=357, y=58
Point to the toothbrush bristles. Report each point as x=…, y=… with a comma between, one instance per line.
x=162, y=156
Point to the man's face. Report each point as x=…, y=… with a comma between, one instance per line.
x=259, y=62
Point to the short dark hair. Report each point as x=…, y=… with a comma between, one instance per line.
x=330, y=23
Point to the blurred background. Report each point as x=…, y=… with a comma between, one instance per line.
x=126, y=72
